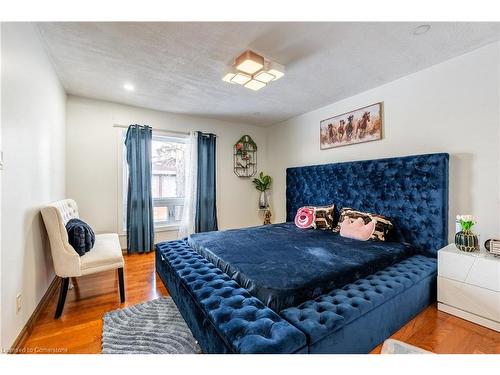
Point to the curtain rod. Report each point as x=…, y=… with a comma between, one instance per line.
x=163, y=130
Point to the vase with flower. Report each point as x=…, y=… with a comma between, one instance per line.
x=465, y=240
x=262, y=184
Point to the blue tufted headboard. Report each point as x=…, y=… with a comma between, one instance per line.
x=411, y=190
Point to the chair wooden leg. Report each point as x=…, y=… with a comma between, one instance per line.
x=122, y=284
x=62, y=297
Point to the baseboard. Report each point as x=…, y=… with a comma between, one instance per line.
x=485, y=322
x=125, y=251
x=28, y=327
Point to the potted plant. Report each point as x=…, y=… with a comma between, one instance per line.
x=262, y=184
x=465, y=240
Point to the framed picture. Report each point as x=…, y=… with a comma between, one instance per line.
x=358, y=126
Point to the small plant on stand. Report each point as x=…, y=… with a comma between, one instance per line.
x=262, y=184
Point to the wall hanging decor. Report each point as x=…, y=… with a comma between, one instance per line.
x=358, y=126
x=245, y=157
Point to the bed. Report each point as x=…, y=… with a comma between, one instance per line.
x=284, y=266
x=280, y=289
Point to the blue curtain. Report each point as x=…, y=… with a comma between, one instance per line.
x=140, y=224
x=206, y=209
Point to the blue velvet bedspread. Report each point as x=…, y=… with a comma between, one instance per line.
x=284, y=266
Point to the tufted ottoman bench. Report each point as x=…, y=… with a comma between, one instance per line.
x=361, y=315
x=222, y=315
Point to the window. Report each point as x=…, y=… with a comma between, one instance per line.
x=168, y=180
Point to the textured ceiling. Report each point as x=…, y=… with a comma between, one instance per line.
x=177, y=67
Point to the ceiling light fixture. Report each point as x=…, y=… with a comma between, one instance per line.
x=276, y=70
x=422, y=29
x=253, y=71
x=249, y=62
x=129, y=87
x=255, y=85
x=264, y=75
x=241, y=78
x=229, y=76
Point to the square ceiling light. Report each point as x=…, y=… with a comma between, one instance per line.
x=277, y=70
x=241, y=78
x=249, y=62
x=255, y=85
x=253, y=71
x=264, y=76
x=228, y=77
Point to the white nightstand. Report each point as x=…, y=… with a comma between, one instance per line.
x=469, y=285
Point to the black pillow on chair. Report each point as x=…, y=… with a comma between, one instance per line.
x=80, y=236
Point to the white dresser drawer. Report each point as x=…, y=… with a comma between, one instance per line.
x=480, y=301
x=479, y=269
x=469, y=285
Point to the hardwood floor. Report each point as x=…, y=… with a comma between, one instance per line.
x=80, y=326
x=442, y=333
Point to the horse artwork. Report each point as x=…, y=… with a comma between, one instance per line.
x=362, y=125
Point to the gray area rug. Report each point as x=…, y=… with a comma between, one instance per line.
x=392, y=346
x=153, y=327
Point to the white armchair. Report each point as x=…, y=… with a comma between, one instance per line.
x=105, y=255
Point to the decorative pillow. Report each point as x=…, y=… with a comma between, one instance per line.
x=357, y=229
x=324, y=217
x=305, y=217
x=382, y=224
x=317, y=217
x=80, y=236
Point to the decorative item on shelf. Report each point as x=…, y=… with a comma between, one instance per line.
x=263, y=200
x=465, y=240
x=267, y=217
x=493, y=246
x=245, y=157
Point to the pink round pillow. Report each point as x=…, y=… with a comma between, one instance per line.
x=305, y=217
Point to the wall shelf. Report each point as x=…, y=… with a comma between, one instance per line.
x=245, y=157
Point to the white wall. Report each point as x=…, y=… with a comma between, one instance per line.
x=33, y=143
x=93, y=161
x=451, y=107
x=1, y=167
